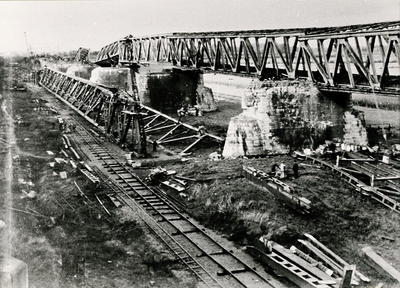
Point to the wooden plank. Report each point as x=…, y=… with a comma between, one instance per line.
x=285, y=268
x=362, y=169
x=311, y=260
x=329, y=262
x=388, y=192
x=387, y=178
x=334, y=256
x=380, y=264
x=348, y=275
x=357, y=160
x=289, y=254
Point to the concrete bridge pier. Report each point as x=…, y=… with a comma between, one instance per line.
x=166, y=88
x=159, y=86
x=283, y=115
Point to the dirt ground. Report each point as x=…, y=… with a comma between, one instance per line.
x=81, y=247
x=65, y=242
x=344, y=220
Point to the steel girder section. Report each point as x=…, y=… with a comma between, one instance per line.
x=363, y=61
x=82, y=55
x=109, y=55
x=164, y=129
x=152, y=48
x=355, y=57
x=100, y=106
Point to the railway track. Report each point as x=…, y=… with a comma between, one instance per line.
x=214, y=265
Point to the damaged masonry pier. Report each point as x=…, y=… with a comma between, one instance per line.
x=282, y=115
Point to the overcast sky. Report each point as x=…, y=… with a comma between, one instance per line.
x=53, y=26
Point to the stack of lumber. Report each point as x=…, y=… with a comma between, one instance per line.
x=319, y=267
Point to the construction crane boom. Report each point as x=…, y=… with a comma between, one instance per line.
x=28, y=48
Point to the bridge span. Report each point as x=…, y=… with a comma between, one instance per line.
x=358, y=58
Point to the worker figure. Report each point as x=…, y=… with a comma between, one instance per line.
x=296, y=169
x=182, y=112
x=154, y=146
x=274, y=168
x=282, y=171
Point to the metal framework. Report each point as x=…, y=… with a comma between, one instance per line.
x=364, y=58
x=164, y=129
x=106, y=108
x=121, y=115
x=82, y=55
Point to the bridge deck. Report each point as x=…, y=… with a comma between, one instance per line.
x=362, y=58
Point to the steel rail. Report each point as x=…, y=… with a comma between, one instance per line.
x=150, y=200
x=160, y=232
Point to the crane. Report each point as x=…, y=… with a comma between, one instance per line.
x=28, y=48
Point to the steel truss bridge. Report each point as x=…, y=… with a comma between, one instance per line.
x=121, y=115
x=359, y=58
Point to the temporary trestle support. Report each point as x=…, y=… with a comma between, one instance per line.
x=165, y=129
x=346, y=58
x=107, y=109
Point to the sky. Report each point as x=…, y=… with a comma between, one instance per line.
x=61, y=26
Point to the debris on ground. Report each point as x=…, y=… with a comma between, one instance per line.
x=215, y=156
x=278, y=189
x=316, y=264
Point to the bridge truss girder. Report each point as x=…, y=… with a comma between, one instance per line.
x=354, y=57
x=109, y=110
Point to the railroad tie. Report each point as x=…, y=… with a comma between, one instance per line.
x=171, y=219
x=107, y=158
x=167, y=213
x=190, y=263
x=156, y=204
x=164, y=208
x=149, y=197
x=116, y=169
x=136, y=185
x=130, y=178
x=111, y=165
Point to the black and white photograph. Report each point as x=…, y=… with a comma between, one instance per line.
x=200, y=143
